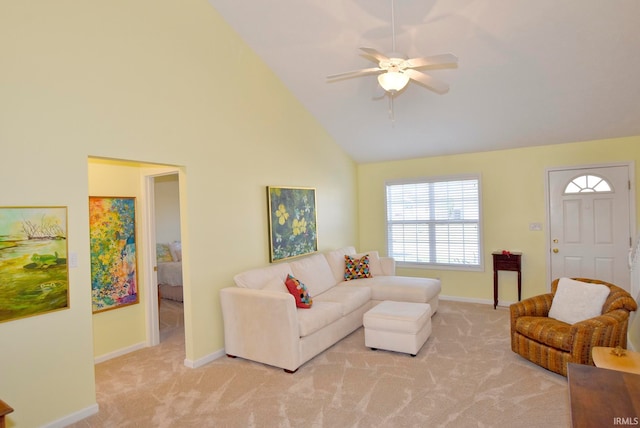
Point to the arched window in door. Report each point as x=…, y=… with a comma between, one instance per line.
x=588, y=183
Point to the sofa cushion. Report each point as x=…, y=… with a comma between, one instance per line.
x=356, y=268
x=335, y=259
x=575, y=301
x=375, y=265
x=276, y=284
x=320, y=315
x=400, y=288
x=337, y=263
x=258, y=278
x=349, y=298
x=299, y=291
x=314, y=272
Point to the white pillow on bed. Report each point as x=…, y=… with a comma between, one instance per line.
x=577, y=301
x=176, y=251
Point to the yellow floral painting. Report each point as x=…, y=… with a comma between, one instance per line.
x=292, y=222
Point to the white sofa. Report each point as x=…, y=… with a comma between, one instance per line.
x=263, y=324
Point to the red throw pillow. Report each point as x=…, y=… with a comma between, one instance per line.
x=299, y=291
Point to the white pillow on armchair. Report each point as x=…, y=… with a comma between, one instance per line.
x=577, y=301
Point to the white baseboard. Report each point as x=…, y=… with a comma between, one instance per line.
x=194, y=364
x=73, y=417
x=475, y=300
x=187, y=362
x=119, y=352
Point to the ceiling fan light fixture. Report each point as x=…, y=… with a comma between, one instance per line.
x=393, y=81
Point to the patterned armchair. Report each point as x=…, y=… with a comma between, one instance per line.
x=552, y=344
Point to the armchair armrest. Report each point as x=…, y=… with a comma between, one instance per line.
x=537, y=306
x=261, y=325
x=608, y=329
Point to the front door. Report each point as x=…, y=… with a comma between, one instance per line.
x=589, y=223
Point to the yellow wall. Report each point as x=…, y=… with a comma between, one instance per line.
x=147, y=81
x=513, y=195
x=121, y=329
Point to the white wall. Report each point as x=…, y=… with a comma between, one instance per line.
x=117, y=330
x=167, y=208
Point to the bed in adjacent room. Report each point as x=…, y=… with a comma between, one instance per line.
x=169, y=257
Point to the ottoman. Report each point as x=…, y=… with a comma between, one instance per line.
x=397, y=326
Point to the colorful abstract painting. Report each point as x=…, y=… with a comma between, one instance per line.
x=34, y=277
x=292, y=222
x=112, y=234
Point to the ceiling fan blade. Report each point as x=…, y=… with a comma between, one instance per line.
x=355, y=73
x=434, y=84
x=375, y=54
x=441, y=59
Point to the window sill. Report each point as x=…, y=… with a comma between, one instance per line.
x=435, y=266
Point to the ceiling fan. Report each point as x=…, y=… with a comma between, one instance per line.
x=395, y=70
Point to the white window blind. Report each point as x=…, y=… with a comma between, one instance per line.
x=435, y=222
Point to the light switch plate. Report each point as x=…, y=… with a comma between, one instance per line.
x=73, y=260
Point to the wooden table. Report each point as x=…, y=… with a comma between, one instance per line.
x=602, y=397
x=5, y=409
x=512, y=262
x=603, y=358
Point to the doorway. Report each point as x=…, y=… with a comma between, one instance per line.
x=590, y=229
x=168, y=244
x=165, y=315
x=108, y=176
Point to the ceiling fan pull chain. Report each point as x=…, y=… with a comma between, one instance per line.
x=392, y=115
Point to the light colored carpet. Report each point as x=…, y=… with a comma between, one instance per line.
x=464, y=376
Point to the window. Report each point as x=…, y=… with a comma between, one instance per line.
x=588, y=183
x=435, y=222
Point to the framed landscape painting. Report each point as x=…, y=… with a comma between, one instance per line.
x=292, y=222
x=34, y=276
x=112, y=234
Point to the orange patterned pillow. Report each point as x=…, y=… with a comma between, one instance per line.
x=356, y=268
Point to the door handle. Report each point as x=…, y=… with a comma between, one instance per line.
x=555, y=250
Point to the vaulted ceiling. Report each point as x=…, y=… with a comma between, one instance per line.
x=529, y=72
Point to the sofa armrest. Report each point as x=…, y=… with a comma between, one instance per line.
x=261, y=325
x=388, y=265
